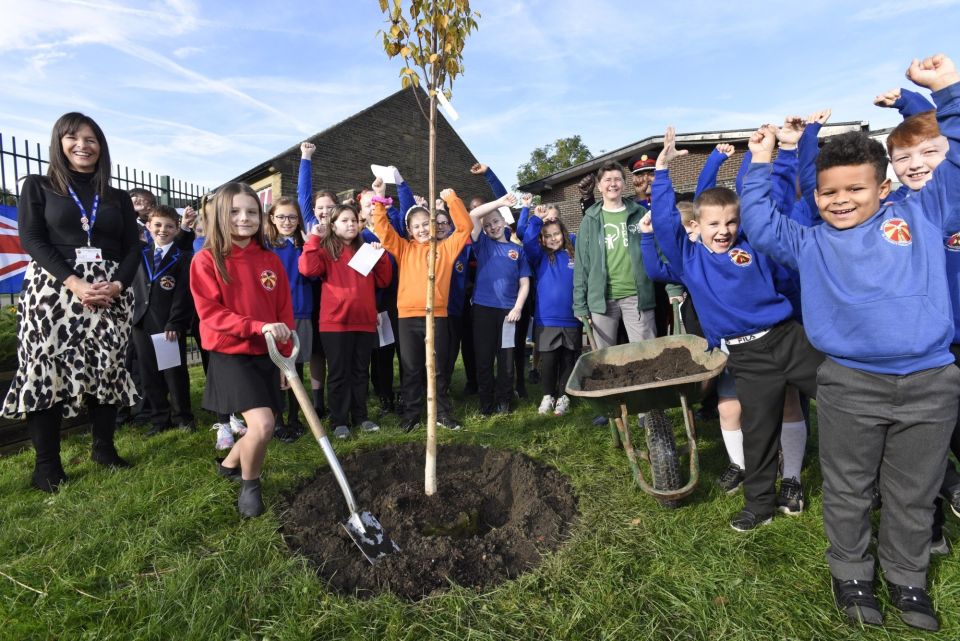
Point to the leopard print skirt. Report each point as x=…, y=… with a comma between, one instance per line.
x=67, y=352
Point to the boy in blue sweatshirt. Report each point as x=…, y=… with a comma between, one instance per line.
x=738, y=297
x=876, y=301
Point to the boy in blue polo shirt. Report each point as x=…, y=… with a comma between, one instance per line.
x=739, y=297
x=876, y=301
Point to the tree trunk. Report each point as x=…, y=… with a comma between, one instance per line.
x=430, y=471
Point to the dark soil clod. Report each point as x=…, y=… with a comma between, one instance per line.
x=494, y=514
x=672, y=363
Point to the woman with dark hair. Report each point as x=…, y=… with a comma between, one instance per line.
x=74, y=313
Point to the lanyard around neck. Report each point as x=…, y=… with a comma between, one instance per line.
x=86, y=222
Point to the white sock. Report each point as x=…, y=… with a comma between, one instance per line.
x=733, y=441
x=793, y=442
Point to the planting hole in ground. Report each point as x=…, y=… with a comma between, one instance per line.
x=495, y=514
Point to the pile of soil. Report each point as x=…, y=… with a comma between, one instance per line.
x=494, y=514
x=673, y=362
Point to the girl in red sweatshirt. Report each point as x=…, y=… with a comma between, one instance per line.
x=348, y=315
x=241, y=293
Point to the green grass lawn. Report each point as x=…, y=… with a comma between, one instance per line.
x=159, y=552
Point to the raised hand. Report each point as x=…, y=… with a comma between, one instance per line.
x=478, y=168
x=540, y=211
x=420, y=201
x=509, y=200
x=526, y=199
x=379, y=187
x=447, y=193
x=646, y=223
x=789, y=134
x=669, y=151
x=307, y=149
x=887, y=98
x=440, y=205
x=726, y=149
x=762, y=142
x=587, y=184
x=934, y=73
x=821, y=117
x=189, y=217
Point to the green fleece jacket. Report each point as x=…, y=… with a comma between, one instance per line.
x=590, y=266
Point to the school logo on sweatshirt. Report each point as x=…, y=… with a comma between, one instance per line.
x=513, y=254
x=570, y=264
x=458, y=266
x=897, y=232
x=740, y=257
x=268, y=279
x=953, y=243
x=167, y=283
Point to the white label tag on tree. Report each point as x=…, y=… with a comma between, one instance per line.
x=385, y=329
x=384, y=173
x=507, y=335
x=447, y=107
x=365, y=258
x=507, y=214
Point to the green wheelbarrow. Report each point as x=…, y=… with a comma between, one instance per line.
x=650, y=401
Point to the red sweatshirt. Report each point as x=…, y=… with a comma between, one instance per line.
x=348, y=300
x=233, y=314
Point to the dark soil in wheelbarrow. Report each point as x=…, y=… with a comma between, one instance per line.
x=673, y=362
x=495, y=514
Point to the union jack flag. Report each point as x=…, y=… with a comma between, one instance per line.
x=13, y=260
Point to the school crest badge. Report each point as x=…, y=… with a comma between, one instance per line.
x=740, y=257
x=513, y=254
x=458, y=266
x=896, y=231
x=268, y=279
x=570, y=264
x=167, y=283
x=953, y=243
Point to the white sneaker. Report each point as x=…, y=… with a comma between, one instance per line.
x=237, y=426
x=546, y=405
x=563, y=405
x=224, y=436
x=341, y=431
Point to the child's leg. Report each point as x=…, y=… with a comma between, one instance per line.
x=248, y=453
x=487, y=332
x=178, y=382
x=153, y=382
x=454, y=333
x=911, y=469
x=441, y=347
x=467, y=348
x=505, y=371
x=568, y=358
x=728, y=407
x=793, y=436
x=549, y=366
x=338, y=349
x=363, y=344
x=411, y=334
x=605, y=325
x=520, y=346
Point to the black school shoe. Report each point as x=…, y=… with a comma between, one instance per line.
x=953, y=498
x=916, y=608
x=856, y=599
x=745, y=520
x=791, y=498
x=231, y=473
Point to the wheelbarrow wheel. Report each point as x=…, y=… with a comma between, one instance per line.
x=662, y=452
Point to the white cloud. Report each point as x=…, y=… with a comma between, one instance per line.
x=186, y=52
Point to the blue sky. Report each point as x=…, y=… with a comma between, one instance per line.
x=205, y=90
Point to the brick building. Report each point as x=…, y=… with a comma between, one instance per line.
x=561, y=188
x=390, y=132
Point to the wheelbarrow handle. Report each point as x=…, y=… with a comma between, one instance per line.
x=588, y=327
x=678, y=324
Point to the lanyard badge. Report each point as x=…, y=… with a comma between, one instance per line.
x=88, y=254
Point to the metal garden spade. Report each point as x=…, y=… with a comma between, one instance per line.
x=362, y=527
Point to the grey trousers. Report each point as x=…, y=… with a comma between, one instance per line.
x=640, y=325
x=898, y=426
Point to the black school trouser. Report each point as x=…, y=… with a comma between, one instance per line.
x=168, y=392
x=762, y=369
x=897, y=427
x=381, y=362
x=467, y=350
x=348, y=357
x=454, y=337
x=555, y=368
x=520, y=341
x=487, y=338
x=412, y=336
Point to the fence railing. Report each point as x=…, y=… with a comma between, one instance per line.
x=19, y=159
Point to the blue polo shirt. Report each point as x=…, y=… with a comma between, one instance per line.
x=500, y=266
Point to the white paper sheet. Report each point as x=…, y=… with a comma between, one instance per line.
x=507, y=335
x=365, y=258
x=385, y=329
x=384, y=173
x=447, y=107
x=507, y=214
x=168, y=352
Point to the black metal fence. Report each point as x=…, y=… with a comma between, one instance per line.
x=19, y=159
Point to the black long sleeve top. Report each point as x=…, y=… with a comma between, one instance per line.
x=50, y=228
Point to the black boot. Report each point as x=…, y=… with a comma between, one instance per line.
x=44, y=428
x=250, y=503
x=103, y=450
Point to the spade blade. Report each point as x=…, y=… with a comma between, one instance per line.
x=368, y=535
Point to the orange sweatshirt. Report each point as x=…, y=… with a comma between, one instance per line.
x=411, y=258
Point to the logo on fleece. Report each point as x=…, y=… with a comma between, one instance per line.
x=953, y=243
x=513, y=254
x=740, y=257
x=570, y=264
x=168, y=282
x=268, y=279
x=458, y=266
x=896, y=231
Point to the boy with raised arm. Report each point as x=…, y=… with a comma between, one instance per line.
x=736, y=295
x=876, y=301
